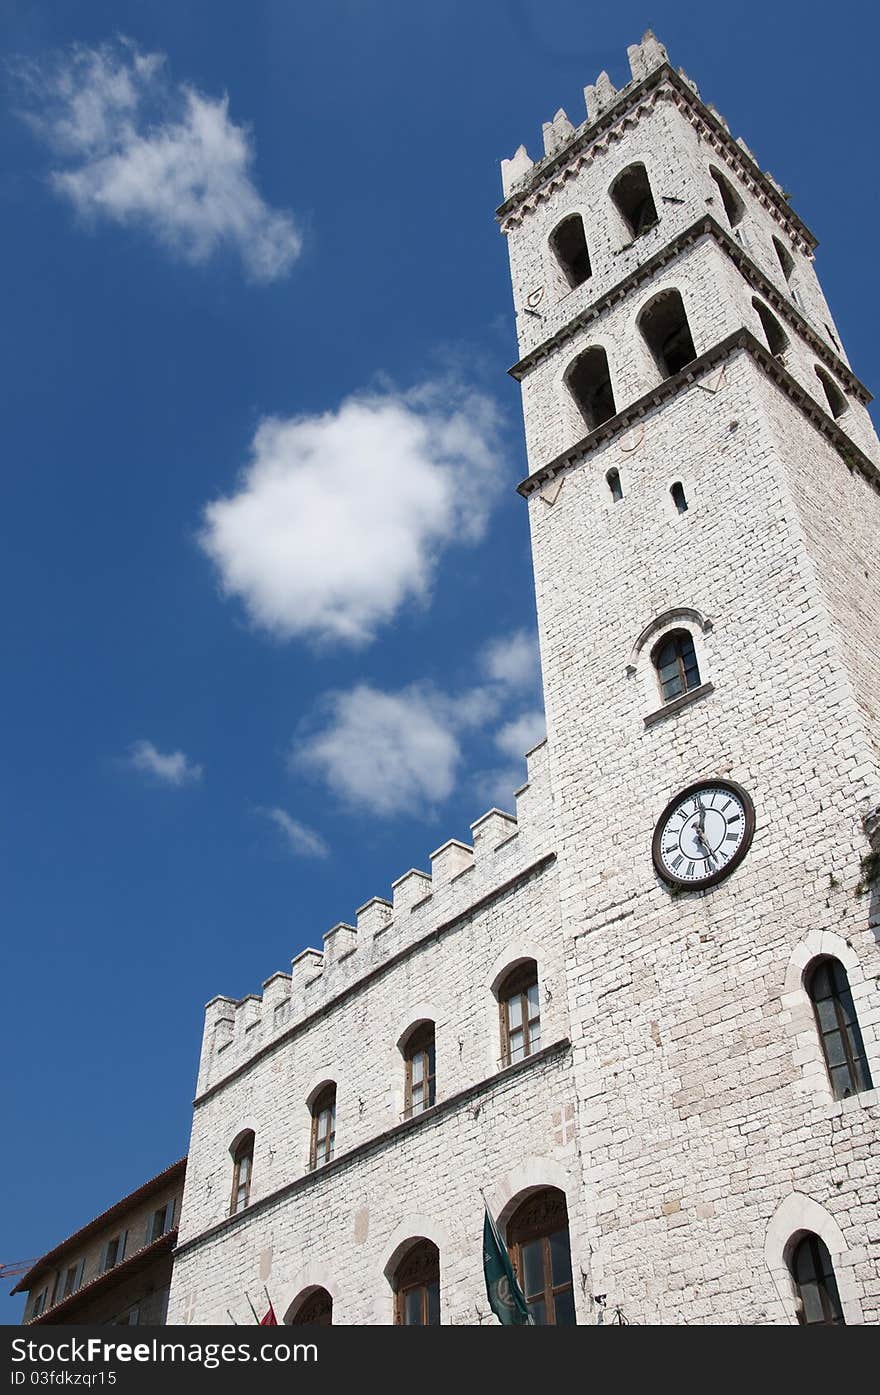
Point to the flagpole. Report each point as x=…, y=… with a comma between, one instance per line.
x=271, y=1305
x=231, y=1318
x=252, y=1308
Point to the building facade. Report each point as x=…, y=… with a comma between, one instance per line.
x=642, y=1016
x=116, y=1269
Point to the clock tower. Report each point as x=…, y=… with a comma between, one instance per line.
x=704, y=502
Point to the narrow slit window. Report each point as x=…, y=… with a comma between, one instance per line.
x=834, y=397
x=816, y=1287
x=784, y=257
x=838, y=1028
x=634, y=201
x=615, y=488
x=675, y=661
x=665, y=330
x=777, y=339
x=589, y=383
x=733, y=204
x=679, y=498
x=569, y=245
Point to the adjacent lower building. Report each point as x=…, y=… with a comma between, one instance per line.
x=117, y=1268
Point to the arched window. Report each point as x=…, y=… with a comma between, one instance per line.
x=242, y=1170
x=520, y=1013
x=416, y=1285
x=323, y=1126
x=615, y=488
x=632, y=197
x=569, y=245
x=733, y=204
x=815, y=1284
x=589, y=383
x=838, y=1026
x=665, y=330
x=675, y=660
x=314, y=1309
x=784, y=257
x=537, y=1237
x=835, y=398
x=419, y=1059
x=679, y=498
x=777, y=339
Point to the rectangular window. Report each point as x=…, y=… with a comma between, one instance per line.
x=160, y=1222
x=39, y=1303
x=114, y=1251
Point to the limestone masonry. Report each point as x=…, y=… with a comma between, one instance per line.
x=679, y=1076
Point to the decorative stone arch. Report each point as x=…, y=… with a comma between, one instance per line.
x=409, y=1231
x=662, y=300
x=557, y=275
x=800, y=1016
x=575, y=424
x=318, y=1080
x=532, y=1175
x=796, y=1216
x=516, y=952
x=640, y=665
x=625, y=234
x=317, y=1281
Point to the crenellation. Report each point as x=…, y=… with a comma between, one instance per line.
x=557, y=133
x=409, y=891
x=599, y=96
x=373, y=918
x=646, y=56
x=449, y=861
x=340, y=942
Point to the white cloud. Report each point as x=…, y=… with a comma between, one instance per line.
x=136, y=149
x=301, y=841
x=521, y=734
x=513, y=659
x=339, y=519
x=387, y=752
x=172, y=769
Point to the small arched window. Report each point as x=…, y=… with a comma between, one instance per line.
x=632, y=197
x=838, y=1027
x=323, y=1143
x=569, y=245
x=834, y=397
x=242, y=1171
x=315, y=1309
x=419, y=1059
x=589, y=383
x=679, y=498
x=520, y=1013
x=675, y=660
x=665, y=330
x=537, y=1236
x=416, y=1285
x=615, y=488
x=733, y=204
x=777, y=339
x=784, y=257
x=815, y=1284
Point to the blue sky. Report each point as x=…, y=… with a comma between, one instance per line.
x=269, y=612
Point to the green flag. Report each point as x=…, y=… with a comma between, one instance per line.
x=504, y=1293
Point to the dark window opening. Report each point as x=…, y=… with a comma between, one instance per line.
x=315, y=1310
x=733, y=204
x=520, y=1013
x=777, y=339
x=816, y=1286
x=569, y=244
x=679, y=498
x=675, y=660
x=323, y=1142
x=537, y=1236
x=838, y=1027
x=666, y=332
x=786, y=260
x=416, y=1284
x=835, y=398
x=612, y=479
x=420, y=1060
x=632, y=197
x=589, y=383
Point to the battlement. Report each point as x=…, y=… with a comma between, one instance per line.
x=522, y=176
x=461, y=875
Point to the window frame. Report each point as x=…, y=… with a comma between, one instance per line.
x=420, y=1043
x=823, y=1270
x=322, y=1145
x=242, y=1154
x=417, y=1271
x=678, y=635
x=539, y=1218
x=850, y=1034
x=516, y=985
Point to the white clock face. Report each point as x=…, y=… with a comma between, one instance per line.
x=703, y=833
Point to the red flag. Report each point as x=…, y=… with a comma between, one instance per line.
x=270, y=1320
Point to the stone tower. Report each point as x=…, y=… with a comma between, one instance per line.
x=704, y=501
